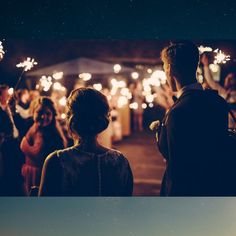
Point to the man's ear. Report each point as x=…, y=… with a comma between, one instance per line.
x=171, y=70
x=172, y=78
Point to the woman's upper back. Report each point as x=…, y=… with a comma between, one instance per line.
x=81, y=173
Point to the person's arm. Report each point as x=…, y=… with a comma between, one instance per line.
x=209, y=78
x=51, y=179
x=32, y=149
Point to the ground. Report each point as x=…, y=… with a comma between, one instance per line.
x=146, y=162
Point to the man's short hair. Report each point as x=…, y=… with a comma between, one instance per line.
x=183, y=56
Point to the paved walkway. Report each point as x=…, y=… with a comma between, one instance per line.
x=146, y=162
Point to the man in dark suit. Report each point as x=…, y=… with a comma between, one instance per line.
x=192, y=134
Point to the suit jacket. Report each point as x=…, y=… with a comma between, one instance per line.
x=191, y=139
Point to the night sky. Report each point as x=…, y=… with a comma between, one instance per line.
x=118, y=217
x=109, y=20
x=130, y=19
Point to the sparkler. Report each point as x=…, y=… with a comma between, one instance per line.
x=26, y=65
x=203, y=49
x=1, y=51
x=220, y=57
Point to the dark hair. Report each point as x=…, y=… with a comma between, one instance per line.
x=184, y=58
x=87, y=112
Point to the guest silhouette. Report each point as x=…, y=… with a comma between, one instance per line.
x=193, y=132
x=87, y=168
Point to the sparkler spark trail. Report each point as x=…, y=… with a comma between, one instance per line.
x=27, y=65
x=1, y=51
x=203, y=49
x=221, y=57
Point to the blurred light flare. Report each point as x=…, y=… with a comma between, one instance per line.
x=58, y=75
x=135, y=75
x=144, y=105
x=63, y=116
x=117, y=68
x=10, y=91
x=149, y=70
x=45, y=82
x=85, y=76
x=133, y=105
x=57, y=86
x=122, y=101
x=151, y=105
x=214, y=67
x=62, y=101
x=97, y=86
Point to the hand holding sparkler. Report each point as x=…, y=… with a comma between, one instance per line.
x=27, y=65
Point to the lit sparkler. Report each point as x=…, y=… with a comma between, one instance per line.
x=26, y=65
x=203, y=49
x=1, y=51
x=220, y=57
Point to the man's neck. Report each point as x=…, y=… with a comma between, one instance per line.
x=193, y=86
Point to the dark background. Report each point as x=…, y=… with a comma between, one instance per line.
x=55, y=31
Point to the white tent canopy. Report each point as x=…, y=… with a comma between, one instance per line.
x=78, y=66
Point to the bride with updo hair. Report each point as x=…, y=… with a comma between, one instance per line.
x=87, y=168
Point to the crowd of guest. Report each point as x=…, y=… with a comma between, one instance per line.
x=41, y=154
x=31, y=130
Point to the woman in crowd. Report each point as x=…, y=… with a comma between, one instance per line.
x=42, y=138
x=228, y=91
x=87, y=168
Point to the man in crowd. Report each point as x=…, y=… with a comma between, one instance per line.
x=193, y=132
x=10, y=155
